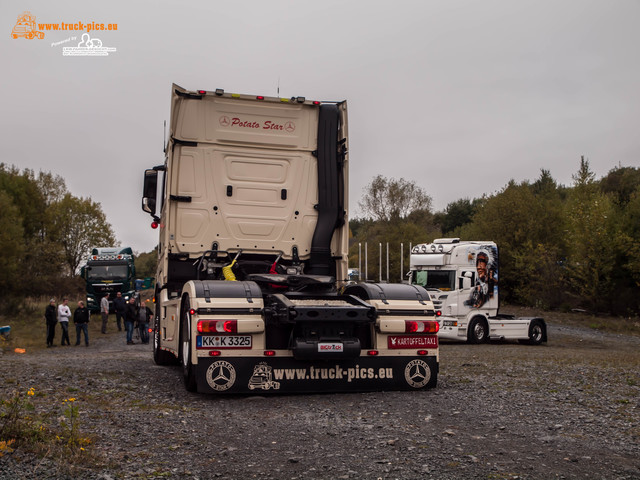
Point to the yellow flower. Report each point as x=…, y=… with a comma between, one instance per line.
x=82, y=449
x=72, y=399
x=31, y=392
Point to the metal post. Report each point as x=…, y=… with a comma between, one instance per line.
x=380, y=263
x=359, y=261
x=401, y=262
x=387, y=262
x=366, y=263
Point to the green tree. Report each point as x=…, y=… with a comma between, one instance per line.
x=589, y=234
x=396, y=211
x=41, y=260
x=621, y=183
x=626, y=273
x=80, y=225
x=146, y=264
x=11, y=245
x=456, y=214
x=526, y=222
x=390, y=199
x=27, y=197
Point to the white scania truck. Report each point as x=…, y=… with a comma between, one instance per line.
x=462, y=280
x=252, y=256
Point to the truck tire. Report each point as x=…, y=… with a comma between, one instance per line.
x=478, y=331
x=536, y=332
x=160, y=357
x=188, y=370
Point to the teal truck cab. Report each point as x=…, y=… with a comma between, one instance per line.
x=108, y=270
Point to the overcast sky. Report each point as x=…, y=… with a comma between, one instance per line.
x=460, y=96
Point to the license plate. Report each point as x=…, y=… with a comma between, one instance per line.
x=223, y=341
x=412, y=341
x=449, y=323
x=330, y=347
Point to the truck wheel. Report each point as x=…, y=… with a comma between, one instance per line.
x=188, y=371
x=478, y=331
x=536, y=332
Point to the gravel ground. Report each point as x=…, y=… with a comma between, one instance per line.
x=567, y=409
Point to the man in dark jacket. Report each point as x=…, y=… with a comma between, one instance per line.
x=50, y=316
x=144, y=315
x=81, y=319
x=130, y=318
x=119, y=305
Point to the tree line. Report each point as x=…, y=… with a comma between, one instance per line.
x=45, y=234
x=561, y=247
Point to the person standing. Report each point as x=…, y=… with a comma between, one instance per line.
x=144, y=314
x=104, y=311
x=51, y=319
x=119, y=305
x=81, y=319
x=64, y=313
x=130, y=317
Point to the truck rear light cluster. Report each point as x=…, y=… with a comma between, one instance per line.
x=217, y=326
x=421, y=326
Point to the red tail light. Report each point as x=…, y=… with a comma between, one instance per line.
x=421, y=326
x=269, y=353
x=438, y=313
x=217, y=326
x=373, y=353
x=192, y=312
x=214, y=353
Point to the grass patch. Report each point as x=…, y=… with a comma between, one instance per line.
x=603, y=323
x=29, y=329
x=27, y=423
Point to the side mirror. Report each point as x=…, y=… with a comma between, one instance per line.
x=149, y=191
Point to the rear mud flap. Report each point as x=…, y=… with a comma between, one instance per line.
x=286, y=375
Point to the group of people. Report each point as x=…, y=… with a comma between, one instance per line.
x=61, y=314
x=132, y=315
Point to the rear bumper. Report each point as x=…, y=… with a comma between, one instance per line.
x=287, y=375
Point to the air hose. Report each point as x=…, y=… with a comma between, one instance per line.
x=228, y=272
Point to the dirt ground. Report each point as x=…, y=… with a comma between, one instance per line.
x=566, y=409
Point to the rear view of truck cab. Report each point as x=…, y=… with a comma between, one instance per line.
x=251, y=287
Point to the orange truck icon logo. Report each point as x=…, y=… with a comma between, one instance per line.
x=26, y=27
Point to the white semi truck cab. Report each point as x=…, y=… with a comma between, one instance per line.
x=251, y=287
x=462, y=278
